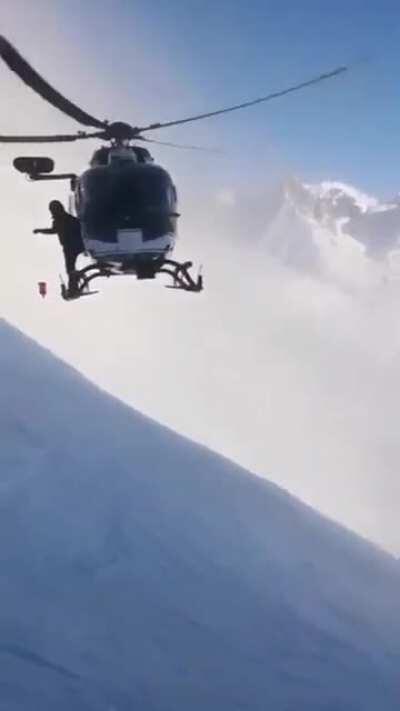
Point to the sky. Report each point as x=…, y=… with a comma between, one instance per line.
x=166, y=59
x=292, y=377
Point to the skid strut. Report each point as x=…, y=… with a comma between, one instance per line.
x=181, y=277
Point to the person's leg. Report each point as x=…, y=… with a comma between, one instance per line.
x=70, y=257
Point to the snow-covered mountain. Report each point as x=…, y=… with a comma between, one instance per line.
x=141, y=571
x=344, y=210
x=328, y=227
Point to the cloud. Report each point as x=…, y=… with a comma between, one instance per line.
x=293, y=376
x=226, y=197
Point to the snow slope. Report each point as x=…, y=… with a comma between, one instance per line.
x=142, y=571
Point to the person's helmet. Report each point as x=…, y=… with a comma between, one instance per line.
x=56, y=207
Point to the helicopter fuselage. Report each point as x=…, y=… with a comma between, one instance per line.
x=127, y=211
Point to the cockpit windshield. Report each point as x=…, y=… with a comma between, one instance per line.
x=137, y=196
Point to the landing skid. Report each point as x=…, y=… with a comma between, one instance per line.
x=80, y=281
x=180, y=276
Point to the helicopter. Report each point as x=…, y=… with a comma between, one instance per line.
x=125, y=203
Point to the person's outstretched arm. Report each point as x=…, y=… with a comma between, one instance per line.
x=44, y=231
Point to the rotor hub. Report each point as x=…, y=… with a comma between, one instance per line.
x=119, y=131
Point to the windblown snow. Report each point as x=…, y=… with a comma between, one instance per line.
x=142, y=571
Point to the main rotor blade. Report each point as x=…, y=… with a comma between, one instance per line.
x=179, y=145
x=269, y=97
x=50, y=139
x=28, y=75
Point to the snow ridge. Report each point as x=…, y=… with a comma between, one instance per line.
x=140, y=570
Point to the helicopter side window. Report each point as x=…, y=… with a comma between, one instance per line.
x=100, y=157
x=172, y=197
x=142, y=154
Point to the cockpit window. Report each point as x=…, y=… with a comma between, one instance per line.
x=132, y=197
x=120, y=157
x=106, y=155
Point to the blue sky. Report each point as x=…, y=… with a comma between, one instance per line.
x=157, y=61
x=226, y=51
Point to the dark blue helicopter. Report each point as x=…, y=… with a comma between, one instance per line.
x=125, y=203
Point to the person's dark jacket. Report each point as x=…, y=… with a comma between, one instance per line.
x=68, y=229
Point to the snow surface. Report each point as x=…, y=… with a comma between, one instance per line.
x=142, y=571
